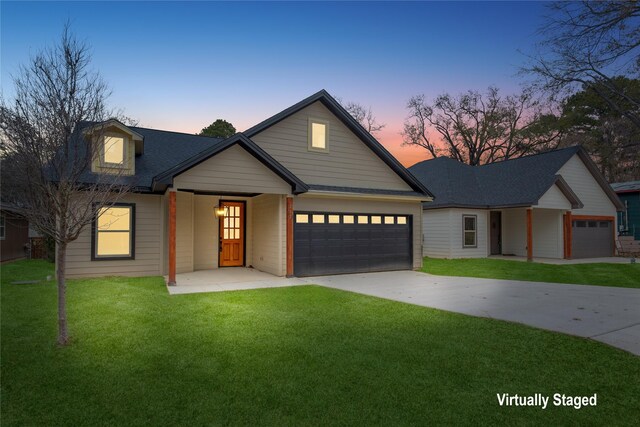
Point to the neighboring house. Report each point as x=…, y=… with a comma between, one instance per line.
x=307, y=191
x=629, y=217
x=14, y=235
x=550, y=205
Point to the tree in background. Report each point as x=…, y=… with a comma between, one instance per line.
x=364, y=116
x=588, y=44
x=477, y=128
x=609, y=136
x=46, y=160
x=219, y=129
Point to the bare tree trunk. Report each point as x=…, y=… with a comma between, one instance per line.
x=63, y=333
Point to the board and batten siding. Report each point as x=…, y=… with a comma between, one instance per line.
x=148, y=241
x=595, y=200
x=553, y=199
x=233, y=170
x=348, y=162
x=409, y=208
x=269, y=234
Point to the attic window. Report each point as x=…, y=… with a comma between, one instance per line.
x=318, y=135
x=113, y=150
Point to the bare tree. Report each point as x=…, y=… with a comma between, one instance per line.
x=364, y=116
x=474, y=128
x=47, y=157
x=588, y=43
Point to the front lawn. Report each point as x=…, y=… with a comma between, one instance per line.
x=621, y=275
x=285, y=356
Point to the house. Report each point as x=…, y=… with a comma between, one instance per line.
x=550, y=205
x=305, y=192
x=14, y=235
x=629, y=216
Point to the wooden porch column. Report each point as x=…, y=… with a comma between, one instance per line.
x=289, y=236
x=529, y=234
x=172, y=238
x=568, y=230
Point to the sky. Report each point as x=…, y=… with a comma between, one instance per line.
x=181, y=65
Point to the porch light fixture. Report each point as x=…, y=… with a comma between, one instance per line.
x=220, y=211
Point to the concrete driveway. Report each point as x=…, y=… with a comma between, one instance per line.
x=607, y=314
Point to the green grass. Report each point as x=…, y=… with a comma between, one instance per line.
x=621, y=275
x=285, y=356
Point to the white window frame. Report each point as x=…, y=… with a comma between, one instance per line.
x=3, y=226
x=474, y=231
x=313, y=121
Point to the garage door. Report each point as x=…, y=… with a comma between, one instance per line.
x=592, y=239
x=336, y=243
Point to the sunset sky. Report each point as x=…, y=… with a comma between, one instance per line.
x=180, y=66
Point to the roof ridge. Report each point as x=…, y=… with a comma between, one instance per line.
x=179, y=133
x=528, y=156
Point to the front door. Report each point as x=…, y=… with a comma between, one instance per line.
x=496, y=232
x=232, y=235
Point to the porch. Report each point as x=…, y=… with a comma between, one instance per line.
x=228, y=279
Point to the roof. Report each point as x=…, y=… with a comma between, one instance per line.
x=626, y=187
x=353, y=125
x=162, y=151
x=511, y=183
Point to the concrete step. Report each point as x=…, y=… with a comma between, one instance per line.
x=625, y=238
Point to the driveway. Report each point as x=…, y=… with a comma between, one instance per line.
x=607, y=314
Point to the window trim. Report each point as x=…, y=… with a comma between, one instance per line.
x=132, y=235
x=3, y=226
x=125, y=155
x=310, y=146
x=474, y=231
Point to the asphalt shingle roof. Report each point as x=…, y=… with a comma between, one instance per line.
x=516, y=182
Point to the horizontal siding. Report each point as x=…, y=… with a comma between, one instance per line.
x=184, y=232
x=233, y=170
x=148, y=243
x=547, y=233
x=457, y=249
x=553, y=199
x=349, y=162
x=413, y=209
x=268, y=244
x=514, y=232
x=436, y=233
x=595, y=200
x=205, y=239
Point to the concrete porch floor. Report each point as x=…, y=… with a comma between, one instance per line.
x=607, y=260
x=228, y=279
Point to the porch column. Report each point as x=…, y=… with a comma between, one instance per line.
x=172, y=238
x=568, y=224
x=289, y=236
x=529, y=234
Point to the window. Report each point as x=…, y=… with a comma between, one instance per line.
x=402, y=220
x=347, y=219
x=318, y=219
x=334, y=219
x=113, y=150
x=469, y=223
x=363, y=219
x=2, y=227
x=376, y=220
x=318, y=135
x=113, y=232
x=302, y=218
x=389, y=220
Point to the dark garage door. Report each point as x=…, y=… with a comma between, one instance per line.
x=592, y=239
x=335, y=243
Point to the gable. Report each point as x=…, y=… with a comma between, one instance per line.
x=233, y=170
x=554, y=199
x=347, y=163
x=587, y=188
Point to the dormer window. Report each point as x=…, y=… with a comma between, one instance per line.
x=318, y=135
x=113, y=151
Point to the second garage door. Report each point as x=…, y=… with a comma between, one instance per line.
x=336, y=243
x=592, y=239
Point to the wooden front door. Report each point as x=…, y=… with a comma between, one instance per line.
x=232, y=235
